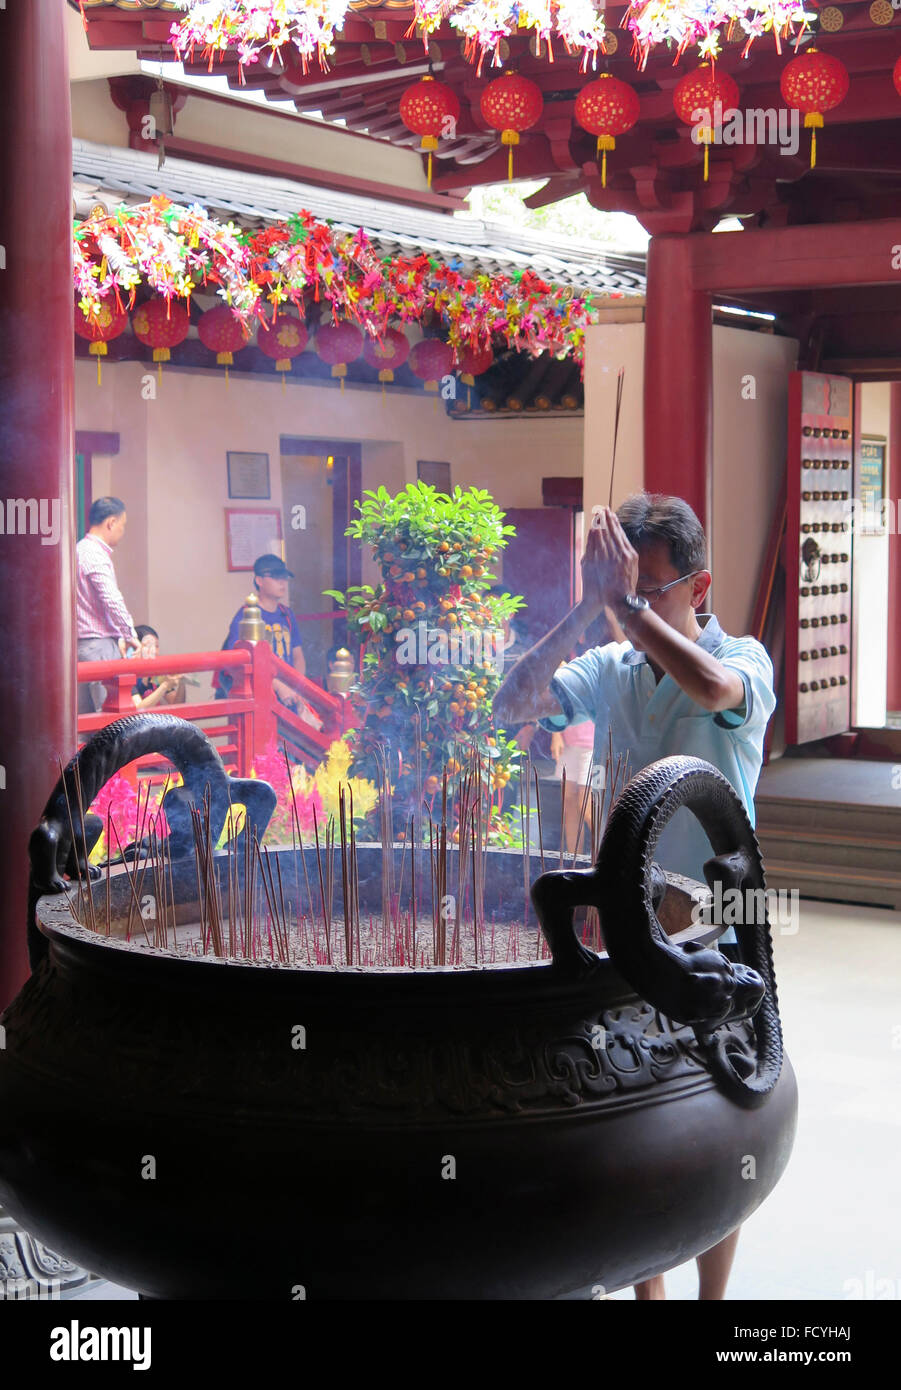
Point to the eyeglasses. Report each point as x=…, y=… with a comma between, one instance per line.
x=652, y=595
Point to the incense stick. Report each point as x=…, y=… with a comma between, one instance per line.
x=620, y=377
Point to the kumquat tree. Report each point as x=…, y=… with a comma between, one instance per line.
x=432, y=646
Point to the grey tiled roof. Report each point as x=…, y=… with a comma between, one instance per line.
x=112, y=174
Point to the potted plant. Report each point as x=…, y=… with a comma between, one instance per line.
x=432, y=642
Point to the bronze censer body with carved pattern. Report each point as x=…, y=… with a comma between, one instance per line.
x=204, y=1128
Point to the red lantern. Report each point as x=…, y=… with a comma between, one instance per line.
x=161, y=324
x=511, y=104
x=284, y=338
x=606, y=108
x=815, y=82
x=387, y=354
x=430, y=360
x=701, y=99
x=896, y=77
x=223, y=334
x=110, y=320
x=473, y=363
x=430, y=109
x=337, y=344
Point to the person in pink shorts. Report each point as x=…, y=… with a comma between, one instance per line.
x=572, y=749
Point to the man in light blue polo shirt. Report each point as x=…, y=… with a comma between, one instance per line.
x=668, y=681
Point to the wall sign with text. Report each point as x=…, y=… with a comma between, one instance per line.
x=251, y=532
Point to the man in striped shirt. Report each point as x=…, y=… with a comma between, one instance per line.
x=105, y=626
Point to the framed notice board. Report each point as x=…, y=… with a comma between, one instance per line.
x=251, y=532
x=872, y=482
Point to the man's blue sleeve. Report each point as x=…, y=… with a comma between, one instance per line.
x=750, y=660
x=296, y=640
x=578, y=687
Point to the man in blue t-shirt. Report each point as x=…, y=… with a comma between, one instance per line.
x=270, y=579
x=677, y=684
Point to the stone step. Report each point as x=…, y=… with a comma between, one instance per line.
x=847, y=821
x=832, y=882
x=826, y=847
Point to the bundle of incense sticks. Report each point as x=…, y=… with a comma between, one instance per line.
x=257, y=904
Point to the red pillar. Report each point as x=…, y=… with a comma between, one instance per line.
x=37, y=690
x=678, y=377
x=893, y=691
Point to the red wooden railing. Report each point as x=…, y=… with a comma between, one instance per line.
x=243, y=725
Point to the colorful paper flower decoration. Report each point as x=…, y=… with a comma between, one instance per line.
x=682, y=23
x=255, y=27
x=173, y=249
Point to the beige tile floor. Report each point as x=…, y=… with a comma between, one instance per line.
x=836, y=1215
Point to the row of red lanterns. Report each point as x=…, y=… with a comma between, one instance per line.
x=162, y=325
x=812, y=83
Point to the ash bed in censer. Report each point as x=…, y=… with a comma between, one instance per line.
x=200, y=1126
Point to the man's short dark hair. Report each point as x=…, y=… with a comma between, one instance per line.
x=653, y=516
x=103, y=507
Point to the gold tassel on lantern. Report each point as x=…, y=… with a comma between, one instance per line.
x=340, y=370
x=705, y=135
x=813, y=121
x=160, y=355
x=386, y=374
x=98, y=350
x=429, y=143
x=510, y=138
x=226, y=360
x=605, y=143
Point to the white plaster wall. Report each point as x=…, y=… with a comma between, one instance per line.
x=243, y=127
x=85, y=64
x=748, y=445
x=749, y=452
x=869, y=583
x=172, y=472
x=94, y=117
x=607, y=348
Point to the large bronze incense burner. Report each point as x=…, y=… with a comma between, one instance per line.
x=195, y=1127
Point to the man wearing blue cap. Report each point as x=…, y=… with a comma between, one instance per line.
x=270, y=579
